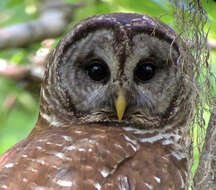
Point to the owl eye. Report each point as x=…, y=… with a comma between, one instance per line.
x=97, y=70
x=144, y=72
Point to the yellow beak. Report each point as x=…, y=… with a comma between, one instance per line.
x=120, y=104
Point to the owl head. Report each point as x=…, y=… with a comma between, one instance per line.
x=123, y=68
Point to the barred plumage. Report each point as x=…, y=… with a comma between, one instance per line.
x=116, y=103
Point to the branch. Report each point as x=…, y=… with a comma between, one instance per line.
x=33, y=71
x=12, y=71
x=55, y=16
x=205, y=177
x=19, y=72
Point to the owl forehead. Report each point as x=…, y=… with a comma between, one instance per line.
x=125, y=26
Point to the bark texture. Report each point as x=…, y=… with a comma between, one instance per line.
x=205, y=178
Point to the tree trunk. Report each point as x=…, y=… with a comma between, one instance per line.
x=205, y=177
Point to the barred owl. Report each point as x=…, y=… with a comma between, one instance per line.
x=114, y=109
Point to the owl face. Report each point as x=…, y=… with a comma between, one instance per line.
x=116, y=68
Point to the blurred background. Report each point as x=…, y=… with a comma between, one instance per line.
x=29, y=29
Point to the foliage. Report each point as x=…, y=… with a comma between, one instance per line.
x=17, y=121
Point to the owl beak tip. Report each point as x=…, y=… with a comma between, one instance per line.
x=120, y=104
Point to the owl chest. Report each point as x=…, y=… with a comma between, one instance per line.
x=99, y=159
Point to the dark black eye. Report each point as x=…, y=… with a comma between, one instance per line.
x=144, y=72
x=97, y=70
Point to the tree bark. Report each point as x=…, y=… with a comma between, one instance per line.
x=205, y=177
